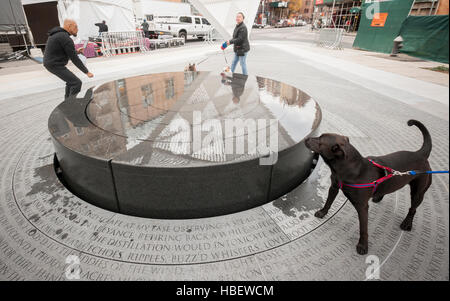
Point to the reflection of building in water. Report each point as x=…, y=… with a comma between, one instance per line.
x=87, y=136
x=293, y=96
x=189, y=78
x=151, y=109
x=134, y=107
x=147, y=97
x=288, y=94
x=107, y=112
x=273, y=87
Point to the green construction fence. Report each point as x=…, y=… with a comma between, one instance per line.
x=381, y=38
x=426, y=37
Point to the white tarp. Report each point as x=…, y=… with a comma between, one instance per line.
x=118, y=14
x=12, y=17
x=222, y=13
x=164, y=8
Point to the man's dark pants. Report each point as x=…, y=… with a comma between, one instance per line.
x=73, y=83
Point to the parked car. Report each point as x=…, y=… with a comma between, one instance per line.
x=300, y=23
x=186, y=27
x=258, y=25
x=282, y=23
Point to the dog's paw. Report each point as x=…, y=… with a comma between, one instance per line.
x=406, y=225
x=362, y=249
x=320, y=214
x=377, y=199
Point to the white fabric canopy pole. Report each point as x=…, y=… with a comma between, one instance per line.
x=222, y=13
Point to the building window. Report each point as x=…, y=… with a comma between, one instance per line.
x=121, y=90
x=147, y=95
x=170, y=89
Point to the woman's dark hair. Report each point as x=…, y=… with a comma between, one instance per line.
x=242, y=14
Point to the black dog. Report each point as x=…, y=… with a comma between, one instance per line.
x=348, y=168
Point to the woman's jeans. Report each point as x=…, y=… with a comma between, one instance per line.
x=242, y=60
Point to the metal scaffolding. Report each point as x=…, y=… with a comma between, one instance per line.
x=340, y=14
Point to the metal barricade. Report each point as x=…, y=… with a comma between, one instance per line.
x=330, y=38
x=212, y=36
x=179, y=41
x=114, y=43
x=168, y=41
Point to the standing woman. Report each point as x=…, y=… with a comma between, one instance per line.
x=241, y=44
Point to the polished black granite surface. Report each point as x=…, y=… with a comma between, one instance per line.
x=161, y=145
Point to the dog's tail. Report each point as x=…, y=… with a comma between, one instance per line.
x=427, y=143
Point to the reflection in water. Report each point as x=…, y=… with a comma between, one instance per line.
x=146, y=108
x=237, y=83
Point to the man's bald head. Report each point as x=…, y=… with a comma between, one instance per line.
x=71, y=27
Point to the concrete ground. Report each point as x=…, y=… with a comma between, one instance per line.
x=365, y=96
x=298, y=34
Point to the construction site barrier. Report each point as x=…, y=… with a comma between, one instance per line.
x=330, y=38
x=212, y=36
x=163, y=42
x=115, y=43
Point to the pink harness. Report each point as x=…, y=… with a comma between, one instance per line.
x=374, y=184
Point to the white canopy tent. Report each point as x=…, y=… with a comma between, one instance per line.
x=161, y=8
x=222, y=13
x=118, y=14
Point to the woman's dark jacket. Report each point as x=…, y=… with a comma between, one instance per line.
x=240, y=40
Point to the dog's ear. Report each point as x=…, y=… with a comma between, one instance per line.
x=339, y=151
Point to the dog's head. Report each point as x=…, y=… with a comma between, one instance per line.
x=331, y=147
x=191, y=68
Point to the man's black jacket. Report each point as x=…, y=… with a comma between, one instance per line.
x=240, y=39
x=102, y=27
x=59, y=49
x=145, y=26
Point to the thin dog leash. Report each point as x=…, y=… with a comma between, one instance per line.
x=213, y=54
x=225, y=56
x=203, y=61
x=207, y=58
x=393, y=173
x=416, y=173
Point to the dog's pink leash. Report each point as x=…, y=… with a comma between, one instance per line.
x=392, y=174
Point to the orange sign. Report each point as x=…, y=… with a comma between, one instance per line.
x=319, y=2
x=379, y=19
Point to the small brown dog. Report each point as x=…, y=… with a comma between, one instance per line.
x=191, y=68
x=349, y=170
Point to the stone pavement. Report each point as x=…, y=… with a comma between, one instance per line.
x=41, y=223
